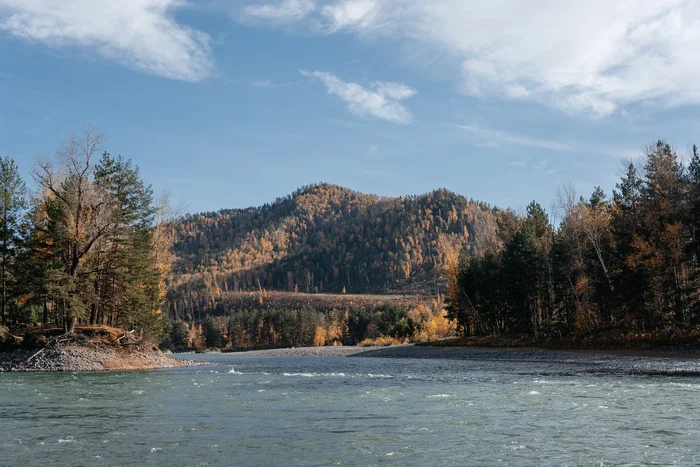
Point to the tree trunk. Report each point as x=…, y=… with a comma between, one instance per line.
x=70, y=324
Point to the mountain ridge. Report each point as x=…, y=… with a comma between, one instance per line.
x=326, y=238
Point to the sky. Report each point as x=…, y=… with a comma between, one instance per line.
x=229, y=104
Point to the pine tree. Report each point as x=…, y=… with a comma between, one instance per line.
x=12, y=209
x=94, y=233
x=127, y=280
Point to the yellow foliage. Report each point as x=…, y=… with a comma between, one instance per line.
x=437, y=327
x=382, y=340
x=319, y=337
x=420, y=313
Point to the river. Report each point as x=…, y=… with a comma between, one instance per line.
x=488, y=408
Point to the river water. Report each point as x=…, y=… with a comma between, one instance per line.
x=492, y=407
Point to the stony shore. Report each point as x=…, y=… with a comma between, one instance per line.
x=464, y=353
x=658, y=362
x=330, y=351
x=73, y=357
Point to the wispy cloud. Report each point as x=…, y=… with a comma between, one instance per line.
x=490, y=138
x=381, y=100
x=352, y=14
x=285, y=12
x=141, y=34
x=541, y=165
x=596, y=58
x=271, y=84
x=497, y=137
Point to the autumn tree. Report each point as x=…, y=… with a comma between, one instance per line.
x=94, y=231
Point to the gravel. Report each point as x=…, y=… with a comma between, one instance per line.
x=335, y=351
x=466, y=353
x=74, y=357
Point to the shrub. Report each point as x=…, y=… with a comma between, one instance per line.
x=382, y=340
x=180, y=335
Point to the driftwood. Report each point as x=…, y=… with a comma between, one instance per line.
x=61, y=339
x=130, y=341
x=41, y=350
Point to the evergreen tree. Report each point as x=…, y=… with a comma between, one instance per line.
x=212, y=329
x=12, y=209
x=94, y=235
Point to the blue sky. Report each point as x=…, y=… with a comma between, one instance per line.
x=233, y=104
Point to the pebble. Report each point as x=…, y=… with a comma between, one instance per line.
x=73, y=357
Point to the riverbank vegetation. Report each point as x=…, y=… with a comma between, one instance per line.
x=87, y=246
x=626, y=266
x=278, y=319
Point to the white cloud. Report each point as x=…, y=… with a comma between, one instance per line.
x=352, y=14
x=490, y=138
x=263, y=84
x=381, y=100
x=496, y=137
x=286, y=12
x=595, y=57
x=141, y=34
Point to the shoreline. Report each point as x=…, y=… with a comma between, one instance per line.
x=79, y=358
x=558, y=362
x=86, y=357
x=425, y=351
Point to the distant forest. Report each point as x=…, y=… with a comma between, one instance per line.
x=325, y=238
x=253, y=320
x=628, y=263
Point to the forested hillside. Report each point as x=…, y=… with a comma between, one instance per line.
x=325, y=238
x=629, y=264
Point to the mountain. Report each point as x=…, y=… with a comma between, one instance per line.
x=326, y=238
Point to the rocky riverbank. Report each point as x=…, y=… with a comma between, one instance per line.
x=413, y=351
x=87, y=358
x=97, y=348
x=330, y=351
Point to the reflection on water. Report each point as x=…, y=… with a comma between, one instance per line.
x=493, y=408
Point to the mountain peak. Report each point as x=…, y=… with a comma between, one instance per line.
x=328, y=237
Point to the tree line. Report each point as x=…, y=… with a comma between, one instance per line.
x=629, y=262
x=266, y=327
x=89, y=246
